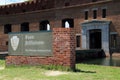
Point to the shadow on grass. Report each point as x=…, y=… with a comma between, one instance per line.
x=82, y=71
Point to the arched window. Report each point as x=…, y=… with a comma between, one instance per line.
x=67, y=23
x=44, y=25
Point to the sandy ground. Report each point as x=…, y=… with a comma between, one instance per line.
x=55, y=73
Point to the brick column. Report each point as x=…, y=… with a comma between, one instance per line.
x=64, y=46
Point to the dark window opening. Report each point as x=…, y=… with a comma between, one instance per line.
x=86, y=15
x=103, y=13
x=113, y=40
x=70, y=22
x=7, y=13
x=94, y=0
x=7, y=28
x=6, y=42
x=78, y=41
x=25, y=26
x=23, y=10
x=43, y=7
x=67, y=4
x=94, y=14
x=43, y=25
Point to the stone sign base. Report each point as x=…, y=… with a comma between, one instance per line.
x=63, y=51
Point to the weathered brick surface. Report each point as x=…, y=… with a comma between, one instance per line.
x=16, y=28
x=63, y=51
x=34, y=26
x=55, y=14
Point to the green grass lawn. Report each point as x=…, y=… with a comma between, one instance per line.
x=84, y=72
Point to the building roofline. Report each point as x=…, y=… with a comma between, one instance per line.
x=53, y=9
x=86, y=4
x=15, y=4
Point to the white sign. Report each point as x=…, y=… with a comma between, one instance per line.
x=14, y=42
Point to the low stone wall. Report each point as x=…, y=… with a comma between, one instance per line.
x=63, y=51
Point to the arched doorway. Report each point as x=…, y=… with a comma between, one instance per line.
x=95, y=41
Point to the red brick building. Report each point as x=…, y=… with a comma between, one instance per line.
x=96, y=22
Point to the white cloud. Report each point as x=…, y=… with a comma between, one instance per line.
x=4, y=2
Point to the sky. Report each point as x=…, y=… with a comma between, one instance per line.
x=4, y=2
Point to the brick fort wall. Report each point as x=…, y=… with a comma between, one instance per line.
x=63, y=51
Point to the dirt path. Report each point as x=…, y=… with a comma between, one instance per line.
x=1, y=68
x=55, y=73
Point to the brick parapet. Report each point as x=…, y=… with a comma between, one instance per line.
x=64, y=45
x=36, y=5
x=26, y=6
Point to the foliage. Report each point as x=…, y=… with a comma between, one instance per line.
x=2, y=63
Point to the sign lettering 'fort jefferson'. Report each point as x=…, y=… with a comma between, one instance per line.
x=31, y=44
